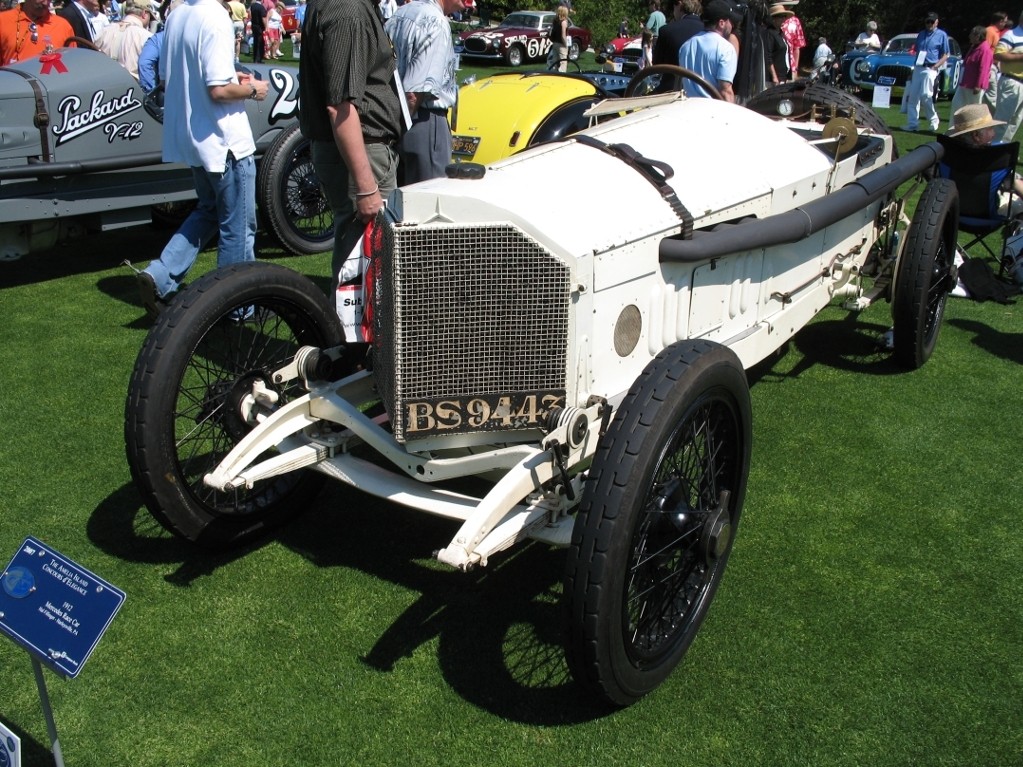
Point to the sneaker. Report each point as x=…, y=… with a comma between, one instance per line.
x=151, y=300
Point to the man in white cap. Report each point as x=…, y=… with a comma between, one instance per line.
x=932, y=50
x=123, y=41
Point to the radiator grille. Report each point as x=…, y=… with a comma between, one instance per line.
x=900, y=73
x=467, y=311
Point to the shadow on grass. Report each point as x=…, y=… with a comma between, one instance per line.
x=32, y=751
x=498, y=628
x=844, y=344
x=1008, y=346
x=122, y=527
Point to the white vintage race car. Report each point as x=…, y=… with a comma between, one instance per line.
x=583, y=365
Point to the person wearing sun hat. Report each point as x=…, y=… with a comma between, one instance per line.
x=973, y=125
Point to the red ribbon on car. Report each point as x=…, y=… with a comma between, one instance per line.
x=52, y=61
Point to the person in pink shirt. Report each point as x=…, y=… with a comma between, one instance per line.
x=792, y=31
x=976, y=71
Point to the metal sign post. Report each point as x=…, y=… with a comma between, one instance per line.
x=57, y=611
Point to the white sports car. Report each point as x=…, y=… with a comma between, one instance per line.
x=582, y=362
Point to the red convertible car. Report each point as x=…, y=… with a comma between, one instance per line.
x=522, y=37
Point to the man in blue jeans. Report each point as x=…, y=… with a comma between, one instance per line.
x=205, y=127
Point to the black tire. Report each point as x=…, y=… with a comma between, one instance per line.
x=804, y=96
x=924, y=275
x=181, y=415
x=515, y=56
x=670, y=474
x=663, y=70
x=291, y=199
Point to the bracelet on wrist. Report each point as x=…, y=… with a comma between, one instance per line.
x=370, y=193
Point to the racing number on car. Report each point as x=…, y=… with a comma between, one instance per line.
x=285, y=105
x=537, y=47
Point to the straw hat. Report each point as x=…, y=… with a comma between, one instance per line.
x=780, y=10
x=970, y=118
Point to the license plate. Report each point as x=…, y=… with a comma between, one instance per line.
x=886, y=81
x=464, y=146
x=485, y=412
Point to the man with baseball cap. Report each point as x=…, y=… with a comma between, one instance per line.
x=710, y=54
x=932, y=51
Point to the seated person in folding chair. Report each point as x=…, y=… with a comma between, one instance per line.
x=974, y=126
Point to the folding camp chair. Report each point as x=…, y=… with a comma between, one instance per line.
x=979, y=173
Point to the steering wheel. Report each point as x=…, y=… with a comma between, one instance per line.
x=81, y=42
x=574, y=62
x=675, y=71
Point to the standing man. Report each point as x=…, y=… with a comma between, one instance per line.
x=709, y=53
x=1000, y=22
x=123, y=40
x=350, y=113
x=79, y=14
x=257, y=25
x=28, y=29
x=931, y=53
x=1009, y=55
x=206, y=128
x=792, y=31
x=685, y=23
x=426, y=62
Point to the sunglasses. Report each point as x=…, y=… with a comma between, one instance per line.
x=34, y=30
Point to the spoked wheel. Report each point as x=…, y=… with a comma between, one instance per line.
x=191, y=397
x=657, y=520
x=797, y=100
x=651, y=80
x=290, y=197
x=925, y=275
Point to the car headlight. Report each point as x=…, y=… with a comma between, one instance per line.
x=609, y=50
x=863, y=66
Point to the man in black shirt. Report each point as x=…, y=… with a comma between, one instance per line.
x=257, y=21
x=351, y=112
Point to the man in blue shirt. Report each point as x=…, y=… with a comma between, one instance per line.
x=710, y=54
x=931, y=53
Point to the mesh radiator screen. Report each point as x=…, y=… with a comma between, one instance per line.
x=467, y=311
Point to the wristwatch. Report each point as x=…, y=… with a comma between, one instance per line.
x=252, y=91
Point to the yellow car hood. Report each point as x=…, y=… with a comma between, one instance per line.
x=499, y=115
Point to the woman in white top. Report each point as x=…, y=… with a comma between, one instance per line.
x=868, y=40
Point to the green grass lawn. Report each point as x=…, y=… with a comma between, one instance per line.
x=870, y=613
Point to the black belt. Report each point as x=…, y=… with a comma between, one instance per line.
x=374, y=140
x=435, y=110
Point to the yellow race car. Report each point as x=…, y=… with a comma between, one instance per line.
x=505, y=113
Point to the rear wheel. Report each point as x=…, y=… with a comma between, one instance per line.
x=924, y=275
x=291, y=199
x=657, y=520
x=189, y=399
x=804, y=96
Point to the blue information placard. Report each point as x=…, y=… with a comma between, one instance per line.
x=54, y=608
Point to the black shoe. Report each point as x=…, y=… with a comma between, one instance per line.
x=151, y=300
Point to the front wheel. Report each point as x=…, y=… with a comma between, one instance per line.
x=924, y=276
x=657, y=520
x=515, y=56
x=291, y=199
x=190, y=399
